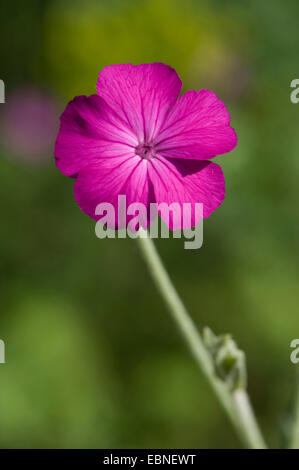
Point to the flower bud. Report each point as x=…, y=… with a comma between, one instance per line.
x=228, y=360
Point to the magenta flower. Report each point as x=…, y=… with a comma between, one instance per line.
x=137, y=138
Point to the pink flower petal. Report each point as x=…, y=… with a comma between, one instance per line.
x=198, y=127
x=186, y=181
x=90, y=130
x=142, y=95
x=104, y=181
x=137, y=140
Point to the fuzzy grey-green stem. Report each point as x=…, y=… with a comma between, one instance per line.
x=250, y=432
x=294, y=439
x=240, y=416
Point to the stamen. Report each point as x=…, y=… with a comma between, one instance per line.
x=145, y=151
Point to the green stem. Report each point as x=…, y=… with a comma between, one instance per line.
x=294, y=441
x=251, y=433
x=239, y=411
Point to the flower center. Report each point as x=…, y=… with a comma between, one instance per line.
x=145, y=151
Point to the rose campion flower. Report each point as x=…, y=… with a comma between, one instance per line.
x=137, y=138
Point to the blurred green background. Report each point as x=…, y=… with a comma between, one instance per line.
x=93, y=358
